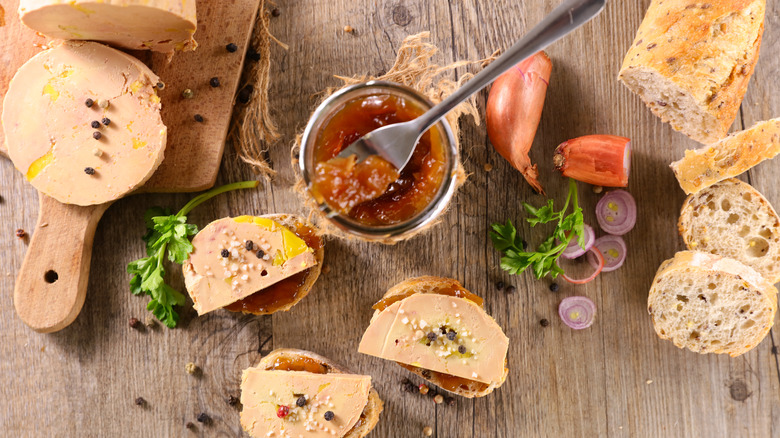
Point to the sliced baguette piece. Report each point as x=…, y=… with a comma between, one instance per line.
x=440, y=285
x=691, y=62
x=278, y=359
x=735, y=154
x=710, y=304
x=732, y=219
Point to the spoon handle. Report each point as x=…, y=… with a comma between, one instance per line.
x=567, y=17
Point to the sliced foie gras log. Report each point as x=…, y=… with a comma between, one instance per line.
x=331, y=403
x=82, y=122
x=417, y=331
x=236, y=257
x=158, y=25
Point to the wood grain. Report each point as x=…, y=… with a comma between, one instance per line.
x=616, y=379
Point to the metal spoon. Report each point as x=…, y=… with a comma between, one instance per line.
x=395, y=143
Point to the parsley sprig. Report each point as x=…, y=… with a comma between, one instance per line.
x=167, y=232
x=543, y=261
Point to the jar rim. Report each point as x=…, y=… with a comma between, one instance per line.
x=432, y=211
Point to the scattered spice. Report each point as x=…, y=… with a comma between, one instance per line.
x=97, y=135
x=461, y=349
x=329, y=415
x=544, y=322
x=232, y=400
x=149, y=321
x=554, y=287
x=89, y=103
x=451, y=335
x=232, y=47
x=488, y=167
x=191, y=368
x=203, y=418
x=89, y=170
x=275, y=12
x=450, y=401
x=140, y=401
x=225, y=253
x=500, y=285
x=20, y=233
x=260, y=253
x=106, y=121
x=190, y=425
x=103, y=103
x=348, y=29
x=97, y=152
x=423, y=388
x=249, y=245
x=282, y=411
x=160, y=85
x=198, y=118
x=599, y=189
x=427, y=431
x=438, y=399
x=301, y=402
x=511, y=289
x=94, y=124
x=134, y=322
x=648, y=381
x=431, y=336
x=187, y=94
x=214, y=82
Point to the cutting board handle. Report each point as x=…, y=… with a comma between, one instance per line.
x=52, y=283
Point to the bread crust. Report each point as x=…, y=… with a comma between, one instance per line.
x=428, y=284
x=691, y=262
x=730, y=157
x=705, y=52
x=374, y=406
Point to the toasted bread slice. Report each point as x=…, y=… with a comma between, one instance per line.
x=735, y=154
x=732, y=219
x=710, y=304
x=438, y=285
x=279, y=358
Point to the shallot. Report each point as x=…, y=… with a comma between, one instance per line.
x=577, y=312
x=602, y=160
x=514, y=108
x=616, y=212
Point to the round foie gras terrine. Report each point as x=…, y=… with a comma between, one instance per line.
x=275, y=258
x=159, y=25
x=82, y=123
x=438, y=330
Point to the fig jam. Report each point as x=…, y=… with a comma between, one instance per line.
x=373, y=192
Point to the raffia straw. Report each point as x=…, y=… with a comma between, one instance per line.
x=252, y=129
x=413, y=67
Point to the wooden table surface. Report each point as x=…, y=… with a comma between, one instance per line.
x=615, y=379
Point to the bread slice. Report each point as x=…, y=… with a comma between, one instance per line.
x=710, y=304
x=433, y=285
x=301, y=227
x=735, y=154
x=732, y=219
x=370, y=415
x=691, y=62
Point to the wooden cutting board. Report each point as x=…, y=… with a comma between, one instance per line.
x=52, y=283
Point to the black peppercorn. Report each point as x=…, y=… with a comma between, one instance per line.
x=451, y=335
x=260, y=253
x=431, y=336
x=329, y=415
x=231, y=47
x=301, y=402
x=544, y=322
x=20, y=233
x=94, y=124
x=106, y=121
x=203, y=418
x=275, y=12
x=97, y=135
x=198, y=118
x=461, y=349
x=89, y=170
x=140, y=401
x=500, y=285
x=89, y=103
x=554, y=287
x=214, y=82
x=511, y=289
x=232, y=400
x=249, y=245
x=134, y=322
x=224, y=253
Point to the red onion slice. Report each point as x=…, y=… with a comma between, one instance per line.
x=574, y=250
x=616, y=212
x=595, y=273
x=613, y=249
x=577, y=312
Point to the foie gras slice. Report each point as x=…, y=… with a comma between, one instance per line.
x=214, y=281
x=48, y=126
x=158, y=25
x=416, y=331
x=263, y=393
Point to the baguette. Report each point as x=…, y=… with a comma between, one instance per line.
x=370, y=415
x=691, y=62
x=710, y=304
x=732, y=219
x=735, y=154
